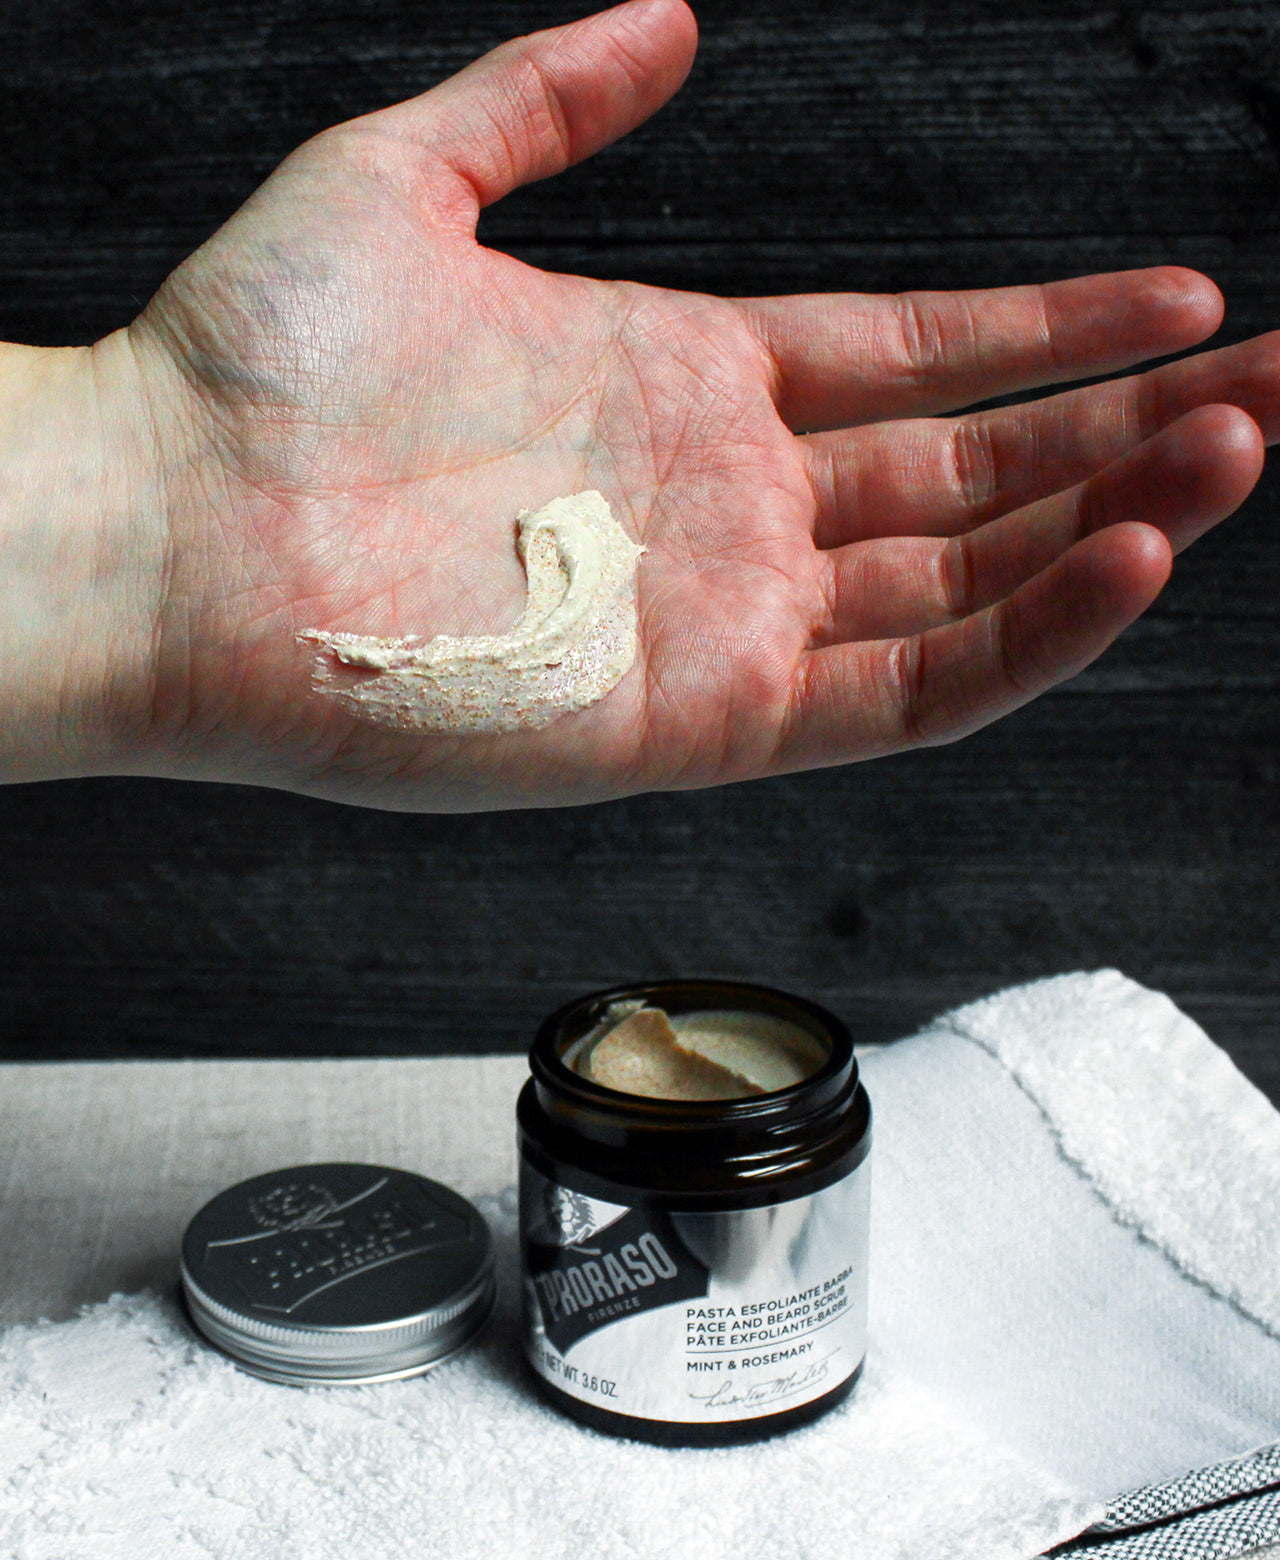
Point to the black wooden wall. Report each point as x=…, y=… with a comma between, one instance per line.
x=1128, y=819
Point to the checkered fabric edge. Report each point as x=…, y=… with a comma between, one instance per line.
x=1219, y=1532
x=1193, y=1491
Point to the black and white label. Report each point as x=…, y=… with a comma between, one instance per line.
x=695, y=1317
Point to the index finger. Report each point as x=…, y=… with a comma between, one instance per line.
x=840, y=359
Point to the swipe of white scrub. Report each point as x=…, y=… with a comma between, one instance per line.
x=574, y=642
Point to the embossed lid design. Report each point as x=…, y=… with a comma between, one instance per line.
x=339, y=1273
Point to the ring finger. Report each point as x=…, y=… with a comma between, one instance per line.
x=1183, y=481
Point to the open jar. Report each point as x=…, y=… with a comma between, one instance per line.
x=694, y=1268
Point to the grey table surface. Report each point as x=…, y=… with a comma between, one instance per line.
x=108, y=1160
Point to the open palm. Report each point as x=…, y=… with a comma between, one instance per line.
x=355, y=399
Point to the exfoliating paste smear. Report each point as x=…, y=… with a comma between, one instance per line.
x=575, y=640
x=704, y=1055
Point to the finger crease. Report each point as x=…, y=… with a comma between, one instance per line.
x=922, y=344
x=908, y=665
x=958, y=588
x=974, y=463
x=547, y=96
x=1006, y=658
x=1088, y=512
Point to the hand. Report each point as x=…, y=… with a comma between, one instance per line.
x=344, y=400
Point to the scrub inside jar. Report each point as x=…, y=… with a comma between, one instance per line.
x=706, y=1054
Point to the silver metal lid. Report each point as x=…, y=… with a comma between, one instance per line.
x=338, y=1273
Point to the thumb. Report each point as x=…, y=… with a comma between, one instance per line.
x=532, y=106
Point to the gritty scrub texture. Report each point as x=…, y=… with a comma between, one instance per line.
x=574, y=642
x=703, y=1055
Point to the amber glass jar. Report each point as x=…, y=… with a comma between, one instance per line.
x=695, y=1272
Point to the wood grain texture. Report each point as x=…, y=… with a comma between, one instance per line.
x=1129, y=819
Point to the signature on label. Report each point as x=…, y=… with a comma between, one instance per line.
x=760, y=1394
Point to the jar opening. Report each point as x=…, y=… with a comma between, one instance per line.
x=701, y=1053
x=770, y=1051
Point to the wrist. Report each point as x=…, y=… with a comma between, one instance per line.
x=82, y=550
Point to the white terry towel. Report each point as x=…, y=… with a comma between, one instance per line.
x=1075, y=1324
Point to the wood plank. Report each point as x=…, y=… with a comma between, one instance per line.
x=1127, y=820
x=1074, y=117
x=1135, y=831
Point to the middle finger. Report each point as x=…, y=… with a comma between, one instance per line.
x=944, y=476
